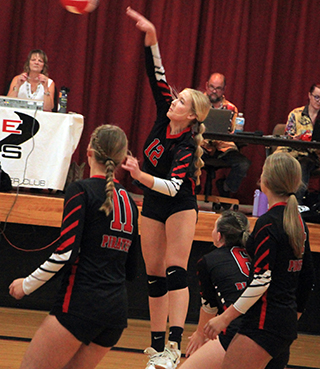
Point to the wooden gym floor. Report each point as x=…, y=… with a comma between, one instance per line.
x=17, y=327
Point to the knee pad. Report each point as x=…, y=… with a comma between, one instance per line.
x=176, y=278
x=157, y=286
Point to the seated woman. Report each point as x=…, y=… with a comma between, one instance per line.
x=34, y=83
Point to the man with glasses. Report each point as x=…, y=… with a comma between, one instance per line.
x=226, y=151
x=304, y=124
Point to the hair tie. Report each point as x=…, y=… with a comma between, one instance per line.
x=291, y=193
x=108, y=158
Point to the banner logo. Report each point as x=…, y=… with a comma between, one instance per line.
x=20, y=131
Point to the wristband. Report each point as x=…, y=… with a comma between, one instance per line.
x=47, y=93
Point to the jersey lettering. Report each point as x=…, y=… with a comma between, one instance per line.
x=122, y=219
x=295, y=265
x=241, y=259
x=154, y=151
x=116, y=243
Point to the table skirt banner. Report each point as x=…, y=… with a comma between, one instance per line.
x=36, y=147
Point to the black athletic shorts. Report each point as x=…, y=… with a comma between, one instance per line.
x=161, y=208
x=280, y=361
x=87, y=331
x=225, y=339
x=272, y=343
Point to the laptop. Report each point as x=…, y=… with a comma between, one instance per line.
x=218, y=121
x=17, y=103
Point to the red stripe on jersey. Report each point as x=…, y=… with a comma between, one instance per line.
x=180, y=175
x=71, y=198
x=67, y=297
x=185, y=157
x=263, y=310
x=71, y=212
x=66, y=243
x=180, y=167
x=262, y=257
x=193, y=184
x=71, y=226
x=167, y=94
x=163, y=85
x=224, y=331
x=261, y=243
x=267, y=225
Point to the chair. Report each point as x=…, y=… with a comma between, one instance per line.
x=210, y=167
x=278, y=130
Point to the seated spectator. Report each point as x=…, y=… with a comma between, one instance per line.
x=301, y=126
x=226, y=151
x=34, y=83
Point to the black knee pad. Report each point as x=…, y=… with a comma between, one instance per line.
x=157, y=286
x=176, y=278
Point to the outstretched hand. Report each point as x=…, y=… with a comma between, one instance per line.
x=144, y=25
x=16, y=290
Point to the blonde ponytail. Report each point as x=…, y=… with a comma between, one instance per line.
x=110, y=147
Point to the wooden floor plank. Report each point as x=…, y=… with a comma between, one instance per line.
x=17, y=324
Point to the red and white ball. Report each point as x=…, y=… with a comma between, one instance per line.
x=80, y=6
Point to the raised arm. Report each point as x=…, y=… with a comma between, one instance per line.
x=144, y=25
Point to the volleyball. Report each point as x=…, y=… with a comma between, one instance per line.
x=80, y=6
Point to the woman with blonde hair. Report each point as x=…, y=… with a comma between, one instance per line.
x=281, y=275
x=97, y=252
x=170, y=173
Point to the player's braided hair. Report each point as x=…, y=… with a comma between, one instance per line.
x=110, y=147
x=200, y=106
x=234, y=228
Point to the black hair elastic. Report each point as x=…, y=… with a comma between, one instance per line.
x=291, y=193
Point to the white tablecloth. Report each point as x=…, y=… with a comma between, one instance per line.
x=36, y=147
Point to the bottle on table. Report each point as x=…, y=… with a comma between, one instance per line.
x=239, y=123
x=260, y=203
x=63, y=100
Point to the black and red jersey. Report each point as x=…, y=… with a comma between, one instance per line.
x=96, y=252
x=291, y=278
x=167, y=156
x=223, y=276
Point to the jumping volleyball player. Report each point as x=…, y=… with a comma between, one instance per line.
x=96, y=251
x=171, y=170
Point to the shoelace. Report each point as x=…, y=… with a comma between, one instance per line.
x=171, y=355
